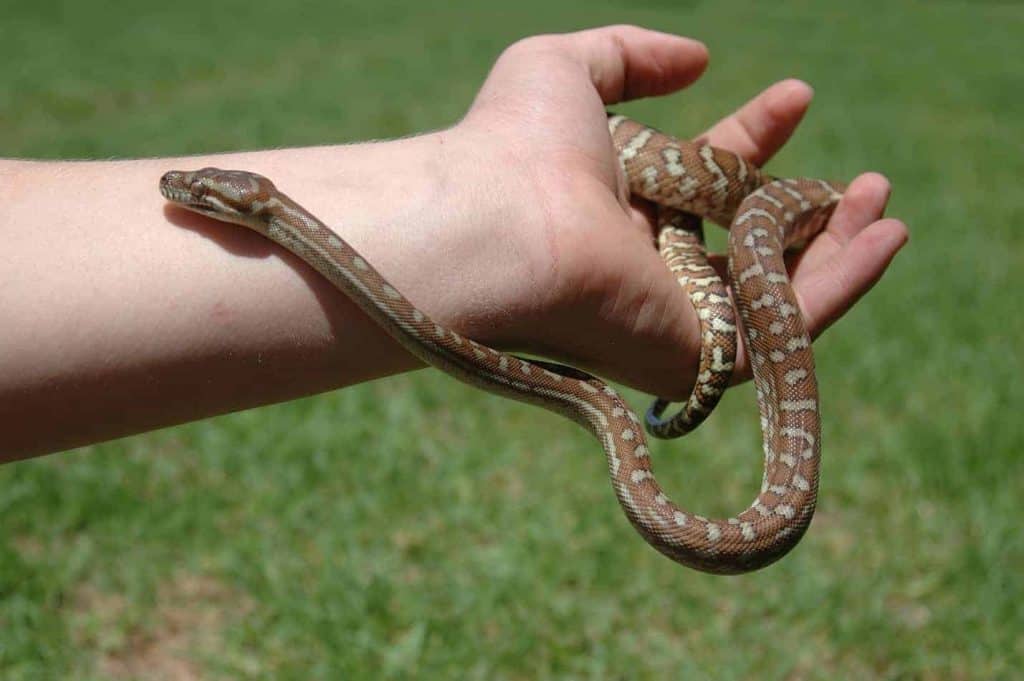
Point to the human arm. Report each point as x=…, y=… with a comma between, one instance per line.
x=511, y=227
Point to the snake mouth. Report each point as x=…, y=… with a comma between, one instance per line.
x=174, y=187
x=200, y=208
x=176, y=195
x=186, y=200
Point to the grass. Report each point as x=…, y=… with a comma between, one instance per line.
x=415, y=527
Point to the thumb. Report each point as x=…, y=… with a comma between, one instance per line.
x=628, y=62
x=620, y=63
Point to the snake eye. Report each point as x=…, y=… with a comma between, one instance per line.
x=198, y=189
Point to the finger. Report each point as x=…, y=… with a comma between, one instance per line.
x=845, y=261
x=760, y=127
x=863, y=202
x=827, y=292
x=627, y=62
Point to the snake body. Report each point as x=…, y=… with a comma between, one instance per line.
x=769, y=217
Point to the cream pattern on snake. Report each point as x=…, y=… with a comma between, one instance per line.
x=770, y=217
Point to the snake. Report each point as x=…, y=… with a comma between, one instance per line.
x=651, y=164
x=765, y=215
x=685, y=186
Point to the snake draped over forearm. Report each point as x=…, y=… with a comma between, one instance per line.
x=766, y=216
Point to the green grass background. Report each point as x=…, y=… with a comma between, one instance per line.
x=414, y=527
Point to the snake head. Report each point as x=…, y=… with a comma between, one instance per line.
x=233, y=195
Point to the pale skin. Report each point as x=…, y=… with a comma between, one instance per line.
x=121, y=314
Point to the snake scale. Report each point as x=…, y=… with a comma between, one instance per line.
x=766, y=217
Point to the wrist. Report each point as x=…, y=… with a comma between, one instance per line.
x=449, y=218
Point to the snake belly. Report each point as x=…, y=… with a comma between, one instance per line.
x=768, y=220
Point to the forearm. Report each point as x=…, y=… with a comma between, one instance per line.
x=121, y=315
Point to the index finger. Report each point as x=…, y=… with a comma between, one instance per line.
x=759, y=128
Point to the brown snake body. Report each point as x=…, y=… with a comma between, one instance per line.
x=768, y=219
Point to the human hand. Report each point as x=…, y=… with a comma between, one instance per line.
x=597, y=293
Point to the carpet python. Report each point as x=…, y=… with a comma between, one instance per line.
x=766, y=217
